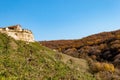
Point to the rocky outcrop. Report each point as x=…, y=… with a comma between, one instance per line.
x=104, y=46
x=18, y=33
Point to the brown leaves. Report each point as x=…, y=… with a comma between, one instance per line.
x=102, y=47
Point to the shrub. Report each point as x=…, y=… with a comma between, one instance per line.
x=99, y=66
x=108, y=67
x=104, y=75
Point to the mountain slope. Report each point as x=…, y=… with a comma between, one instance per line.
x=30, y=61
x=102, y=47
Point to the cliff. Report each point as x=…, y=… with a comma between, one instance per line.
x=18, y=33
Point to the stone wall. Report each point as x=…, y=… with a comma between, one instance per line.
x=24, y=35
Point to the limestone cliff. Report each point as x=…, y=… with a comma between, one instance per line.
x=18, y=33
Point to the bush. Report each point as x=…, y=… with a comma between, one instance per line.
x=104, y=75
x=99, y=66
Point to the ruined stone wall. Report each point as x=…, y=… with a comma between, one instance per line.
x=24, y=35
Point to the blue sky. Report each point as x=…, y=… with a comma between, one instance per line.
x=61, y=19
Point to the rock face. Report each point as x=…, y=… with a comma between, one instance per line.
x=104, y=46
x=18, y=33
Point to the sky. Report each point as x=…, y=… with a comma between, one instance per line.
x=61, y=19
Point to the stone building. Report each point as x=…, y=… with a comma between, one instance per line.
x=18, y=33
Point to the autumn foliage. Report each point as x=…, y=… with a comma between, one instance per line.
x=98, y=66
x=102, y=47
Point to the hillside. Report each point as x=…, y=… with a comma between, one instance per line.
x=103, y=47
x=21, y=60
